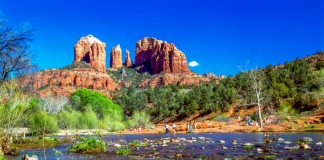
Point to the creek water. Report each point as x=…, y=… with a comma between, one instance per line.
x=190, y=148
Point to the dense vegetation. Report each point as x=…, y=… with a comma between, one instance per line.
x=293, y=86
x=83, y=110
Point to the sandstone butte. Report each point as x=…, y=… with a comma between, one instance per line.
x=156, y=56
x=128, y=62
x=164, y=61
x=92, y=51
x=116, y=57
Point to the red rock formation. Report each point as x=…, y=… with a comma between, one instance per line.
x=128, y=62
x=176, y=78
x=116, y=57
x=92, y=51
x=156, y=56
x=64, y=82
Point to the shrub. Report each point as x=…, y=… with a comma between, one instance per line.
x=319, y=65
x=88, y=145
x=2, y=157
x=43, y=123
x=140, y=118
x=89, y=119
x=84, y=99
x=69, y=119
x=285, y=109
x=123, y=150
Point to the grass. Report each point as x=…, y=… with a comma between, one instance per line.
x=123, y=150
x=33, y=143
x=136, y=143
x=88, y=145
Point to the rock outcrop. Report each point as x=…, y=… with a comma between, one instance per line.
x=92, y=51
x=156, y=56
x=175, y=78
x=116, y=57
x=128, y=62
x=58, y=82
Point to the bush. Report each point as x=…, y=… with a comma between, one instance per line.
x=43, y=123
x=285, y=109
x=88, y=145
x=319, y=65
x=69, y=119
x=89, y=120
x=140, y=118
x=84, y=99
x=123, y=151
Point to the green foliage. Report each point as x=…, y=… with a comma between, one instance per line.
x=2, y=157
x=128, y=75
x=88, y=145
x=36, y=142
x=80, y=64
x=70, y=119
x=136, y=143
x=319, y=65
x=285, y=109
x=222, y=118
x=89, y=120
x=43, y=123
x=124, y=150
x=84, y=99
x=294, y=82
x=15, y=107
x=140, y=118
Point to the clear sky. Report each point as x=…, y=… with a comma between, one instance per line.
x=219, y=34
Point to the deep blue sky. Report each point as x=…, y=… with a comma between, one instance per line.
x=220, y=35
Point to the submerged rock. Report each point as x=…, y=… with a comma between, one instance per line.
x=221, y=141
x=26, y=157
x=248, y=144
x=307, y=139
x=291, y=148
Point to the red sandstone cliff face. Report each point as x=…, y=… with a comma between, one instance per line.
x=156, y=56
x=92, y=51
x=176, y=78
x=128, y=62
x=116, y=57
x=64, y=82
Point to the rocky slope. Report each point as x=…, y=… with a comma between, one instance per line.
x=59, y=82
x=175, y=78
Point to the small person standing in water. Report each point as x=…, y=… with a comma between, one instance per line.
x=190, y=128
x=174, y=126
x=167, y=129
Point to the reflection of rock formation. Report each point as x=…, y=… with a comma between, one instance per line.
x=156, y=56
x=116, y=57
x=92, y=51
x=128, y=61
